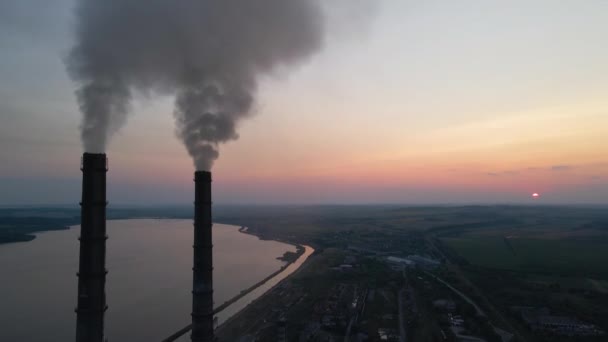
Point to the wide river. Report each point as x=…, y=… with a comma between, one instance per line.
x=148, y=285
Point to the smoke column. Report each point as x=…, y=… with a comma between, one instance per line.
x=208, y=53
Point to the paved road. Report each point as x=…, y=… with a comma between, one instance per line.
x=402, y=331
x=350, y=326
x=505, y=336
x=462, y=295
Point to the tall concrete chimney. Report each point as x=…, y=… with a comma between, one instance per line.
x=282, y=330
x=202, y=284
x=92, y=271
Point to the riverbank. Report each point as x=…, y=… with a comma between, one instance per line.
x=277, y=282
x=230, y=310
x=299, y=252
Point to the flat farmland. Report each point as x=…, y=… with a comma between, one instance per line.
x=550, y=256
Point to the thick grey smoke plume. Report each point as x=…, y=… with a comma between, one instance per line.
x=209, y=53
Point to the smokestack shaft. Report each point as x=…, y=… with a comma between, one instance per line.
x=202, y=285
x=92, y=271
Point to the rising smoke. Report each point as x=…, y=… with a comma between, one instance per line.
x=208, y=53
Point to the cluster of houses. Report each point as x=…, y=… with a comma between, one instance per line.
x=412, y=261
x=542, y=321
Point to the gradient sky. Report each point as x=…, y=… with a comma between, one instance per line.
x=409, y=102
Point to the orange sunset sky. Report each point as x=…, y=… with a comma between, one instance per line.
x=408, y=102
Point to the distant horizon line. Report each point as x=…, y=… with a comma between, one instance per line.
x=328, y=204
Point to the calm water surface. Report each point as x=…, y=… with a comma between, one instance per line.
x=148, y=287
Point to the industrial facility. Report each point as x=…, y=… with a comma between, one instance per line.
x=92, y=271
x=202, y=282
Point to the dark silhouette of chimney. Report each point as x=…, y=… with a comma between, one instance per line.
x=202, y=284
x=92, y=271
x=282, y=329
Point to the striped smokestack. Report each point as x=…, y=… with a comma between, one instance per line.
x=202, y=284
x=92, y=271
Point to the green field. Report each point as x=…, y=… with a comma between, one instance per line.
x=566, y=257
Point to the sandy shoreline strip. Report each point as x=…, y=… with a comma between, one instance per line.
x=245, y=298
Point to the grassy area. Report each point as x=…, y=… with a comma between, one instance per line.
x=565, y=282
x=491, y=252
x=565, y=257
